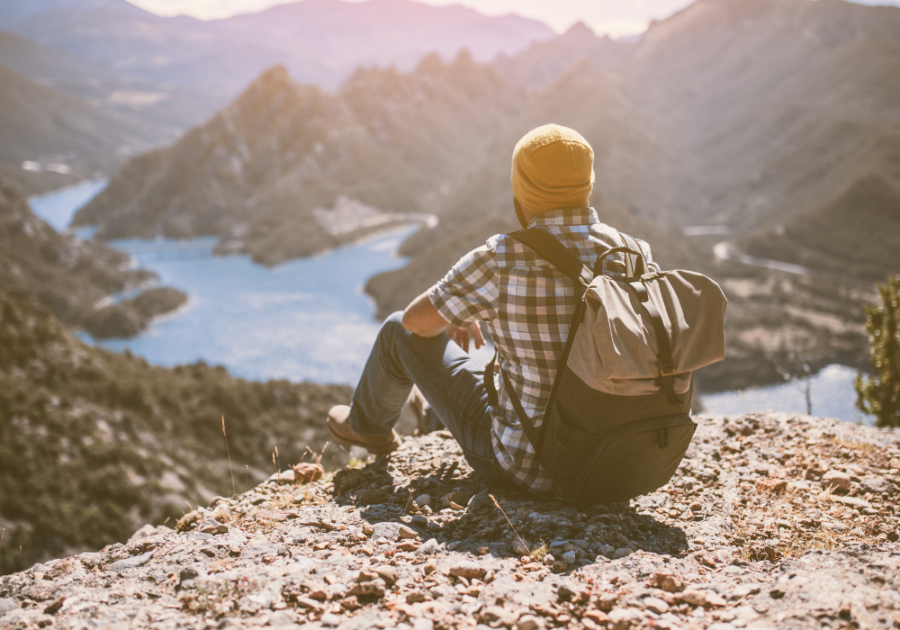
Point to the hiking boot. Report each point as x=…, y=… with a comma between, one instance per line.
x=346, y=435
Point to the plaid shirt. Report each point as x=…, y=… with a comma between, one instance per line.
x=527, y=305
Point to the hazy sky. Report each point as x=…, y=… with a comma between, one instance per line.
x=614, y=17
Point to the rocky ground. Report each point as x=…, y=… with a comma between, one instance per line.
x=772, y=521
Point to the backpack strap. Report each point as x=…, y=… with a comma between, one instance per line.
x=666, y=379
x=550, y=249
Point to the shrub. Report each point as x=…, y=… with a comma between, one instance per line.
x=879, y=394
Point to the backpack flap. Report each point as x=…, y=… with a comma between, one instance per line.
x=617, y=352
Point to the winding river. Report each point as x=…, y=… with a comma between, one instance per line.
x=309, y=319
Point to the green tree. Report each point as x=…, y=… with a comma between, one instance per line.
x=879, y=394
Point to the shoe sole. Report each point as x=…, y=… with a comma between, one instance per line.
x=374, y=450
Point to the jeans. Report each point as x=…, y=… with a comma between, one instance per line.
x=448, y=377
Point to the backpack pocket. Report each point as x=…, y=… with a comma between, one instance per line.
x=632, y=459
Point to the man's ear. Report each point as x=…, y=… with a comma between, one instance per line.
x=519, y=214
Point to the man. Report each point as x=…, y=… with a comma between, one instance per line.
x=526, y=304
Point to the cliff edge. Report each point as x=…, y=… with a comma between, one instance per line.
x=773, y=520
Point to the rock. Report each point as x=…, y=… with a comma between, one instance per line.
x=282, y=476
x=767, y=485
x=281, y=618
x=624, y=619
x=530, y=622
x=479, y=502
x=431, y=547
x=597, y=616
x=423, y=499
x=367, y=589
x=468, y=570
x=569, y=557
x=388, y=530
x=497, y=616
x=520, y=549
x=656, y=605
x=407, y=533
x=837, y=481
x=877, y=485
x=330, y=620
x=621, y=552
x=307, y=472
x=7, y=605
x=668, y=582
x=694, y=597
x=130, y=563
x=213, y=527
x=714, y=599
x=387, y=573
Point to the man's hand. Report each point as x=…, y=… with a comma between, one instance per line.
x=462, y=336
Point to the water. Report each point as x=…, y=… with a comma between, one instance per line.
x=309, y=319
x=831, y=389
x=58, y=208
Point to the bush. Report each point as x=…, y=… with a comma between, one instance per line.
x=879, y=394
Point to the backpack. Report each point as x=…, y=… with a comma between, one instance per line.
x=617, y=422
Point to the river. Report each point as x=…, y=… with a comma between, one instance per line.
x=309, y=319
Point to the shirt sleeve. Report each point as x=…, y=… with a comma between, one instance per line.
x=469, y=292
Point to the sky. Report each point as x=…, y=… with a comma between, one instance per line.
x=616, y=18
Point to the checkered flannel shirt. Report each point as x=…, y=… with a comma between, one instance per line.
x=527, y=305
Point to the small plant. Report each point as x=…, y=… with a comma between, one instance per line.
x=521, y=540
x=228, y=450
x=539, y=551
x=879, y=394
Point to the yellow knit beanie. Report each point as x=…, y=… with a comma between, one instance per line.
x=552, y=168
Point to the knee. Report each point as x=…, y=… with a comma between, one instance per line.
x=393, y=323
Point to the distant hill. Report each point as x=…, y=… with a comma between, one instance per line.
x=320, y=41
x=67, y=138
x=170, y=108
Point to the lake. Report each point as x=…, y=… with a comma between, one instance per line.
x=309, y=319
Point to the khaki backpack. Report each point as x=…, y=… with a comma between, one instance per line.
x=617, y=423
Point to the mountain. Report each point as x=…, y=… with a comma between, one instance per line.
x=13, y=12
x=95, y=444
x=170, y=108
x=541, y=64
x=273, y=167
x=320, y=41
x=65, y=138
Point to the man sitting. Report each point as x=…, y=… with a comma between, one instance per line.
x=527, y=305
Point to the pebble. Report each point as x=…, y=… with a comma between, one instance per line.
x=837, y=481
x=131, y=563
x=7, y=605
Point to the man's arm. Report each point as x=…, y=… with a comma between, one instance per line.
x=422, y=319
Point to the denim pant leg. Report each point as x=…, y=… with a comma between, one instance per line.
x=447, y=376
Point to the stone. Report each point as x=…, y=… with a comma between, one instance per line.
x=479, y=502
x=767, y=485
x=430, y=547
x=530, y=622
x=468, y=570
x=407, y=533
x=520, y=549
x=837, y=481
x=130, y=563
x=877, y=485
x=624, y=619
x=497, y=616
x=307, y=472
x=330, y=620
x=656, y=605
x=388, y=530
x=694, y=597
x=367, y=589
x=668, y=582
x=213, y=527
x=7, y=605
x=621, y=552
x=423, y=499
x=387, y=573
x=569, y=556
